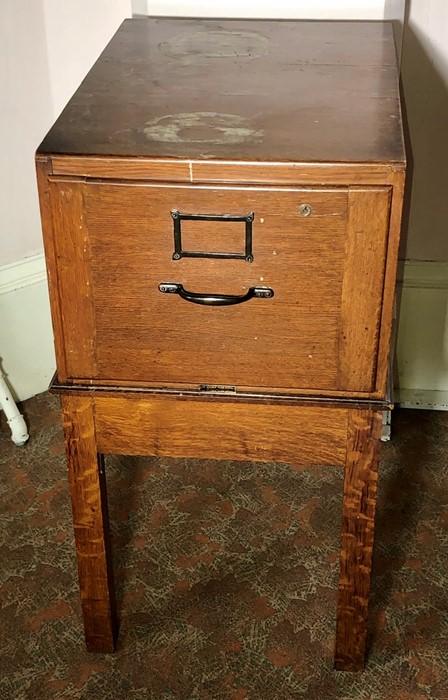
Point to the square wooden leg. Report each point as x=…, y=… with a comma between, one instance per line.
x=91, y=524
x=359, y=500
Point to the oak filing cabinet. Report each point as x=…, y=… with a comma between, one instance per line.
x=221, y=205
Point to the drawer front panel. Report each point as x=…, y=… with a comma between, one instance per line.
x=321, y=251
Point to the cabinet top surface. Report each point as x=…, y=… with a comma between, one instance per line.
x=251, y=90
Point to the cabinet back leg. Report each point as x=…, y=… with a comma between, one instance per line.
x=91, y=524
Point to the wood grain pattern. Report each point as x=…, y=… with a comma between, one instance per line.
x=362, y=289
x=297, y=173
x=358, y=518
x=91, y=524
x=385, y=348
x=70, y=241
x=43, y=172
x=239, y=90
x=142, y=334
x=290, y=113
x=309, y=336
x=237, y=172
x=149, y=169
x=166, y=426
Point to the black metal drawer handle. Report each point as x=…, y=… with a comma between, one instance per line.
x=216, y=299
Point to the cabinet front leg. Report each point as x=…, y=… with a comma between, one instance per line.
x=358, y=516
x=91, y=524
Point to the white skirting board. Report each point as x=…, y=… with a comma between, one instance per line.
x=422, y=349
x=26, y=339
x=427, y=399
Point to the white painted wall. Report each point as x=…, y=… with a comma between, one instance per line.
x=423, y=328
x=25, y=114
x=425, y=81
x=423, y=337
x=47, y=46
x=395, y=11
x=300, y=9
x=76, y=33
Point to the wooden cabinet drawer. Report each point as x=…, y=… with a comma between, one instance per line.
x=320, y=250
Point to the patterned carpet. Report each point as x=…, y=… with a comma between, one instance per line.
x=226, y=575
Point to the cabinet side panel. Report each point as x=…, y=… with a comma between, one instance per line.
x=71, y=245
x=43, y=170
x=362, y=290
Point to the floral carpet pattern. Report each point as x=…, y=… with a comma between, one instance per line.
x=226, y=575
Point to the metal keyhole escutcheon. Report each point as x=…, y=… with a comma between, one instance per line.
x=305, y=210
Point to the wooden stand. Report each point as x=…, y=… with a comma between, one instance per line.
x=102, y=422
